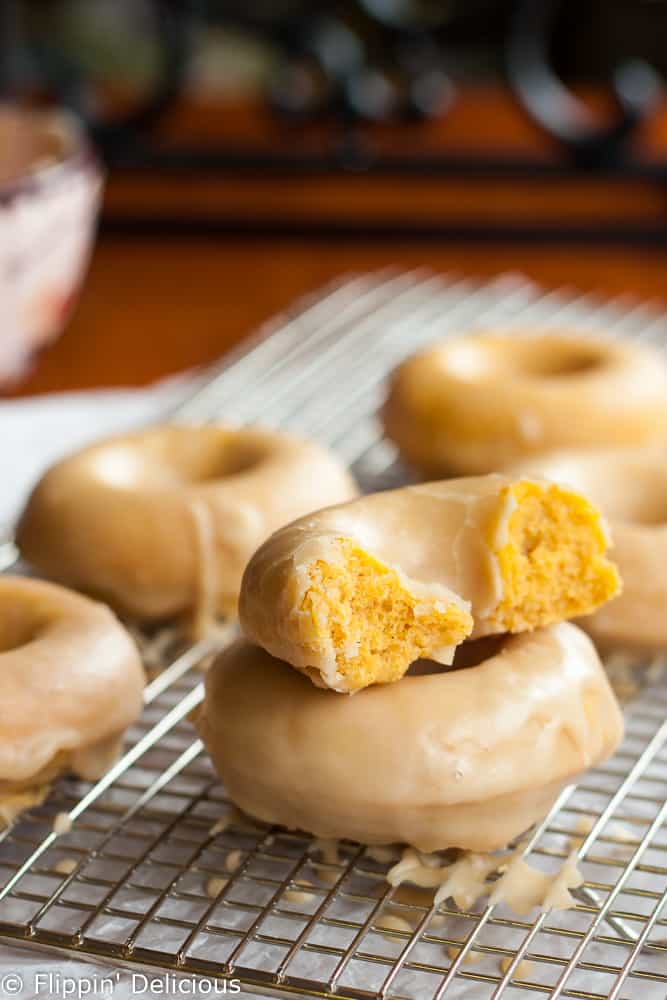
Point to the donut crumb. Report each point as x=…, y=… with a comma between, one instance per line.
x=299, y=895
x=453, y=951
x=215, y=885
x=221, y=824
x=392, y=922
x=233, y=860
x=65, y=866
x=524, y=968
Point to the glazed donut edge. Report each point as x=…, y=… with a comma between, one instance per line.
x=476, y=403
x=71, y=682
x=410, y=762
x=148, y=520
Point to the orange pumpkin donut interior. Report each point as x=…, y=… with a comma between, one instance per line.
x=354, y=594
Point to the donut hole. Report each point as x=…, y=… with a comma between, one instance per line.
x=561, y=360
x=372, y=620
x=208, y=457
x=543, y=357
x=182, y=457
x=17, y=628
x=470, y=653
x=229, y=461
x=552, y=563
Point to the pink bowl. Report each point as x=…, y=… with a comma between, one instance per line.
x=50, y=188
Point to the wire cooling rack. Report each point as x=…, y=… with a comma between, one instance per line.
x=150, y=875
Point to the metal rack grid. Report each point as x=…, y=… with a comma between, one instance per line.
x=131, y=880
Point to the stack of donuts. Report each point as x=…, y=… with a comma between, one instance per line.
x=468, y=579
x=443, y=607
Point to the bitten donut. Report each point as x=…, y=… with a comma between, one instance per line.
x=353, y=594
x=466, y=758
x=162, y=521
x=71, y=682
x=631, y=489
x=473, y=404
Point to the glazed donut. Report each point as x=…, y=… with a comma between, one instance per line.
x=159, y=521
x=631, y=489
x=71, y=682
x=466, y=758
x=353, y=594
x=473, y=404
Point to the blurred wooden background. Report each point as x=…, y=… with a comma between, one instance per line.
x=188, y=264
